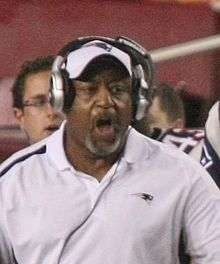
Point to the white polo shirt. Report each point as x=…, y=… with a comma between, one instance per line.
x=49, y=213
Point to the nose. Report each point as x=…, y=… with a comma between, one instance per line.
x=104, y=97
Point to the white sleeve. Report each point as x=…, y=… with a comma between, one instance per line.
x=202, y=220
x=212, y=127
x=6, y=252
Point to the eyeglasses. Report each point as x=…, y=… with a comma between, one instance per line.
x=39, y=102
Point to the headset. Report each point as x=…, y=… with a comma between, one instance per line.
x=62, y=91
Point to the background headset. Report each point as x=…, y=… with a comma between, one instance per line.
x=62, y=91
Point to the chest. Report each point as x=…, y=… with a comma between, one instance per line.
x=53, y=215
x=52, y=211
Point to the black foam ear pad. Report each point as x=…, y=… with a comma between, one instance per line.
x=69, y=91
x=56, y=90
x=134, y=96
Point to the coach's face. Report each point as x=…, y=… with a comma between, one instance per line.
x=101, y=112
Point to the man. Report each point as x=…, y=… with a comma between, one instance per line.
x=97, y=191
x=167, y=109
x=32, y=109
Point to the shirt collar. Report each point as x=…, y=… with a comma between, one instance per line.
x=134, y=150
x=56, y=149
x=135, y=147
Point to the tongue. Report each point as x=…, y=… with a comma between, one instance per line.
x=106, y=131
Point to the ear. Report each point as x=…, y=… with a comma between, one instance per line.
x=19, y=115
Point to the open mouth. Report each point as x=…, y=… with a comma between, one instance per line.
x=103, y=122
x=105, y=127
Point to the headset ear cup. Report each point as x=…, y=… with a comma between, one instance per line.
x=140, y=103
x=56, y=90
x=135, y=98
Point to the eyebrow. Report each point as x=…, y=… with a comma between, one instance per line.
x=37, y=96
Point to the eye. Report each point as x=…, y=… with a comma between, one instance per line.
x=119, y=88
x=40, y=101
x=84, y=89
x=86, y=92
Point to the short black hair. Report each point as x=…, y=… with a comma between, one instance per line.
x=37, y=65
x=170, y=101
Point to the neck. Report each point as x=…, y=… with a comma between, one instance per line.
x=83, y=160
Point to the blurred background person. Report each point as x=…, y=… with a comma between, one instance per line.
x=165, y=121
x=167, y=108
x=202, y=144
x=31, y=105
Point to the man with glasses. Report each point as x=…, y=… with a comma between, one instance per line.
x=31, y=104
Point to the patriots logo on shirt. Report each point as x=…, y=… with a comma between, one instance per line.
x=144, y=196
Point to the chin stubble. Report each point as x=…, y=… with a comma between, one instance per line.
x=104, y=151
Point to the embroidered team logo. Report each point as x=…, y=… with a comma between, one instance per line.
x=144, y=196
x=104, y=46
x=101, y=45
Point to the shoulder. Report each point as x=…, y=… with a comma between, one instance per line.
x=29, y=157
x=21, y=157
x=185, y=139
x=188, y=170
x=159, y=149
x=188, y=140
x=167, y=158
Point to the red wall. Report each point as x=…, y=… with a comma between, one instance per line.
x=32, y=28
